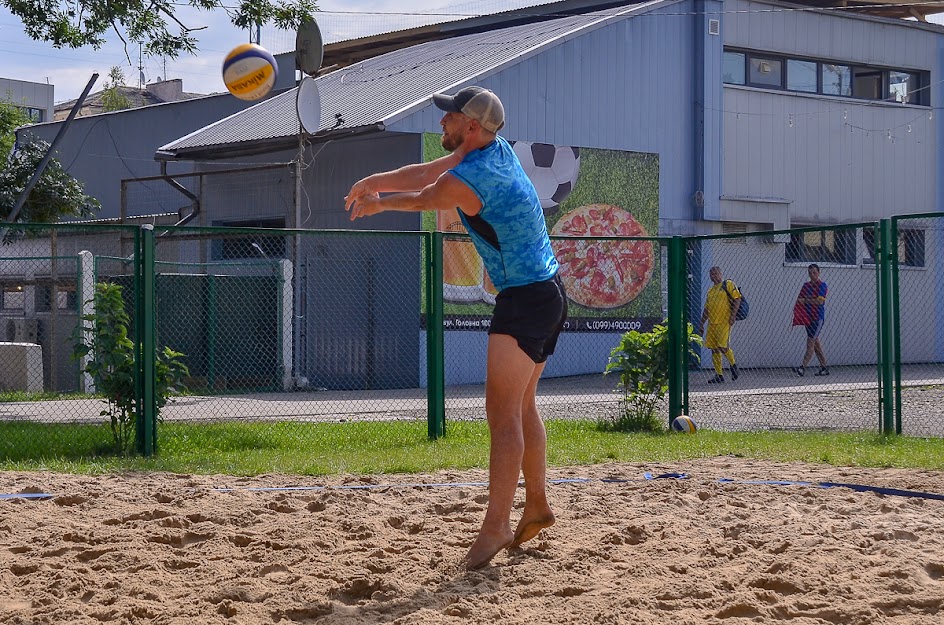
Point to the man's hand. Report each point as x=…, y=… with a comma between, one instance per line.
x=362, y=188
x=364, y=206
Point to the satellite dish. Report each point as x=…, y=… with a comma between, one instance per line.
x=309, y=48
x=308, y=104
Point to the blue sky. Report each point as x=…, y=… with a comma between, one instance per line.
x=69, y=70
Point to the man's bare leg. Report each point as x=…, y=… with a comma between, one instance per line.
x=820, y=355
x=810, y=347
x=509, y=370
x=537, y=513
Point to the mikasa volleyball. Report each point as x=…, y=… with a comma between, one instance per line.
x=249, y=71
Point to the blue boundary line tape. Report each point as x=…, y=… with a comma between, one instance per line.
x=861, y=488
x=27, y=496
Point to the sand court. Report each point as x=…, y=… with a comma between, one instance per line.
x=163, y=548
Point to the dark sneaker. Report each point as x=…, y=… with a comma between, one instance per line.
x=823, y=371
x=718, y=379
x=734, y=372
x=800, y=371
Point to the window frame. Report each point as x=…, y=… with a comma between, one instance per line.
x=765, y=58
x=916, y=96
x=816, y=75
x=906, y=237
x=804, y=256
x=271, y=247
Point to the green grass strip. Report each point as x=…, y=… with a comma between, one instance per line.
x=402, y=447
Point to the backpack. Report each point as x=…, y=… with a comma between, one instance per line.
x=744, y=309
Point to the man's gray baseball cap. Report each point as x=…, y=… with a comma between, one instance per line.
x=478, y=103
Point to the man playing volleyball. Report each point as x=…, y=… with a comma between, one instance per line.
x=499, y=207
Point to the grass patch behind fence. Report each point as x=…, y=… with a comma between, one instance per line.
x=402, y=447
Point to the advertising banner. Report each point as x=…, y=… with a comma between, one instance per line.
x=613, y=285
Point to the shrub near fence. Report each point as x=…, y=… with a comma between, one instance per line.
x=286, y=331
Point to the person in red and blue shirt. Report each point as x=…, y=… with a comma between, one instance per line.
x=813, y=299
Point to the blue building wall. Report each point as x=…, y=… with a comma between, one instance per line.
x=627, y=85
x=101, y=150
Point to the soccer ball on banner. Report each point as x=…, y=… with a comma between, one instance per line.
x=553, y=170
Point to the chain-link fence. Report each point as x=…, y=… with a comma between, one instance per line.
x=918, y=243
x=48, y=405
x=805, y=356
x=293, y=328
x=284, y=331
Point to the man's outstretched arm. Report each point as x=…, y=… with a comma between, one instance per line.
x=446, y=193
x=407, y=178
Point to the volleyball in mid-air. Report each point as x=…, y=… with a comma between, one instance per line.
x=249, y=71
x=684, y=424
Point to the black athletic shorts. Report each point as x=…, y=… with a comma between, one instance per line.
x=533, y=314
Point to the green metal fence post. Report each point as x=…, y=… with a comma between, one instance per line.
x=684, y=273
x=147, y=417
x=435, y=344
x=885, y=323
x=896, y=322
x=211, y=332
x=678, y=270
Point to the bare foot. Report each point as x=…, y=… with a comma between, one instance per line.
x=531, y=526
x=485, y=547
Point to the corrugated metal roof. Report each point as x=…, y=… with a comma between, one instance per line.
x=383, y=89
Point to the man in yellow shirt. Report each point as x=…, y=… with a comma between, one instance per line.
x=721, y=306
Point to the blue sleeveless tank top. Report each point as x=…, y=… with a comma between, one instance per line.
x=509, y=233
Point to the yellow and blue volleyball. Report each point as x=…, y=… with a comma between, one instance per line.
x=249, y=71
x=684, y=424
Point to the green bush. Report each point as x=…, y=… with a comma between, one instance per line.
x=104, y=336
x=642, y=361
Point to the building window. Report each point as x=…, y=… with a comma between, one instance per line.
x=837, y=79
x=66, y=298
x=766, y=72
x=733, y=70
x=822, y=246
x=867, y=83
x=904, y=87
x=911, y=248
x=12, y=297
x=36, y=115
x=801, y=75
x=251, y=246
x=759, y=69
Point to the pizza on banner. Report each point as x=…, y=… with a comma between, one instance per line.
x=602, y=274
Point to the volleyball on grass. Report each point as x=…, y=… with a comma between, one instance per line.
x=684, y=424
x=249, y=71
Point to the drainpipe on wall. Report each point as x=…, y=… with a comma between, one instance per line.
x=194, y=200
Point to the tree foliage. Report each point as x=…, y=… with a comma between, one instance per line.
x=11, y=118
x=112, y=97
x=56, y=194
x=155, y=24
